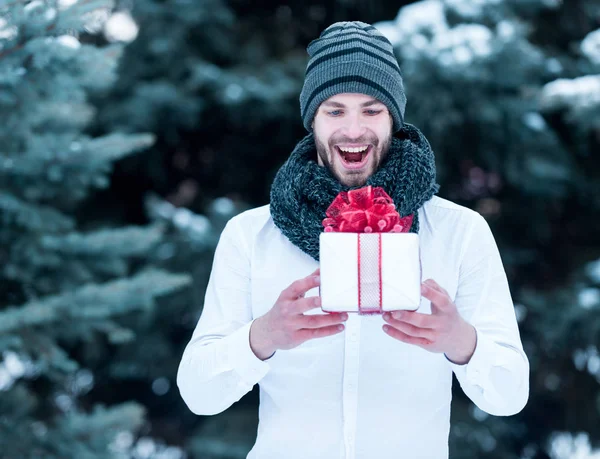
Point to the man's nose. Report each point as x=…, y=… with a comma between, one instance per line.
x=354, y=126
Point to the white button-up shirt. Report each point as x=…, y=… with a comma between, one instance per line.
x=361, y=393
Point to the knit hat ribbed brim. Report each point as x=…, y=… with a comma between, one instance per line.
x=352, y=57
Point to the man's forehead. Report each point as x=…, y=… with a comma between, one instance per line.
x=350, y=99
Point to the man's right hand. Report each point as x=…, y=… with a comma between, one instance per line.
x=286, y=326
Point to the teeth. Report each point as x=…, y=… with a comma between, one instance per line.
x=354, y=149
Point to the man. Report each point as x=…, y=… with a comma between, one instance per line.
x=345, y=385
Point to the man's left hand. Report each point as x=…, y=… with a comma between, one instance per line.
x=444, y=330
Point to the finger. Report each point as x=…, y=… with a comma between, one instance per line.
x=302, y=305
x=322, y=320
x=414, y=318
x=306, y=334
x=298, y=288
x=434, y=285
x=439, y=299
x=400, y=336
x=411, y=330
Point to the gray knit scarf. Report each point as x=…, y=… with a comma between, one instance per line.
x=302, y=190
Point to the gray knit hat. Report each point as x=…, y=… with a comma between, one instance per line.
x=352, y=57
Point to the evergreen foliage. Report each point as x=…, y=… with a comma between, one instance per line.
x=67, y=285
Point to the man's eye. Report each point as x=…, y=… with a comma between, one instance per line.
x=335, y=112
x=373, y=112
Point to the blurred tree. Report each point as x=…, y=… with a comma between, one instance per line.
x=70, y=286
x=216, y=89
x=508, y=93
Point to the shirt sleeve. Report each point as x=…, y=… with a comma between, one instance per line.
x=496, y=378
x=218, y=366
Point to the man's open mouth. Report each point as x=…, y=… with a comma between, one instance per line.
x=354, y=157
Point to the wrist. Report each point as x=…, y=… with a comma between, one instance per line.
x=260, y=344
x=465, y=345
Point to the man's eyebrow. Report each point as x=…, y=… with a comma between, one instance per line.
x=332, y=103
x=371, y=102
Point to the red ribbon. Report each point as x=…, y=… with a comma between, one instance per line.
x=370, y=299
x=365, y=210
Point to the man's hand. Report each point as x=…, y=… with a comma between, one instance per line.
x=286, y=326
x=444, y=330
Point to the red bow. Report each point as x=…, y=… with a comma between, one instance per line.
x=365, y=210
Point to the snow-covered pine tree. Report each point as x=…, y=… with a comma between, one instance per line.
x=67, y=284
x=218, y=84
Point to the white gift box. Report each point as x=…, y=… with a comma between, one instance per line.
x=369, y=272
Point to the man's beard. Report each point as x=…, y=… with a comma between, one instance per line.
x=351, y=178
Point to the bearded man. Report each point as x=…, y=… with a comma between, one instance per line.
x=339, y=385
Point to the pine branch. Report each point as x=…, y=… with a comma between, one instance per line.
x=74, y=17
x=126, y=416
x=33, y=217
x=113, y=147
x=122, y=242
x=53, y=361
x=115, y=333
x=71, y=18
x=77, y=434
x=82, y=152
x=93, y=301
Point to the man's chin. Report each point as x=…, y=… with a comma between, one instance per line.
x=353, y=180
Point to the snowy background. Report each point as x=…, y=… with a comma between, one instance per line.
x=130, y=132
